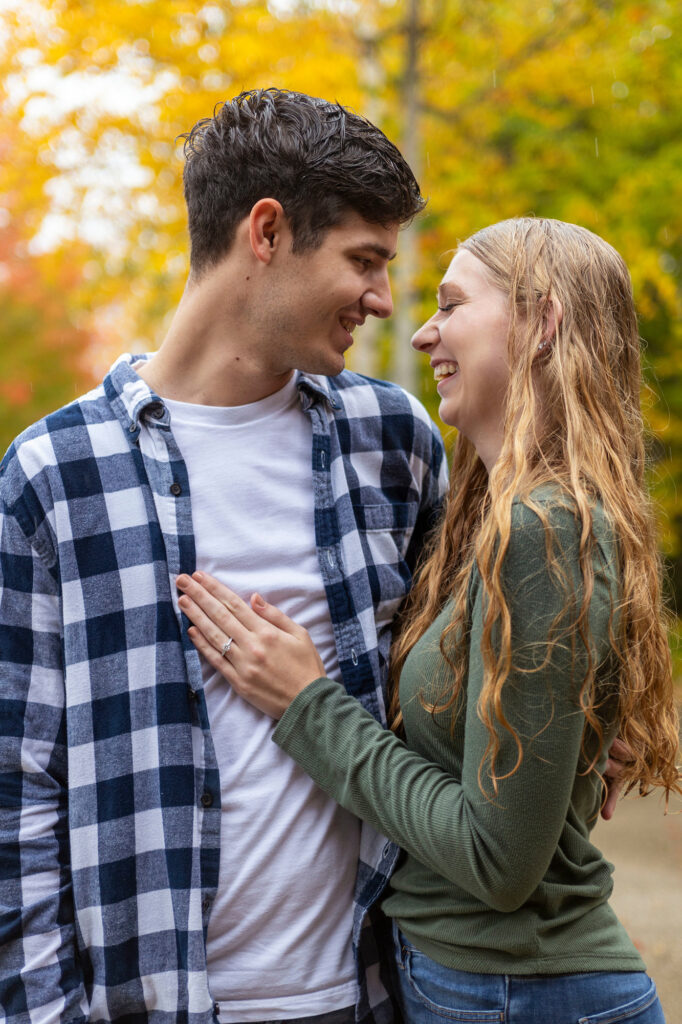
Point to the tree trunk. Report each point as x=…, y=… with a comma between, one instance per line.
x=403, y=362
x=365, y=351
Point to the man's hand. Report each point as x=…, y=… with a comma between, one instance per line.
x=619, y=756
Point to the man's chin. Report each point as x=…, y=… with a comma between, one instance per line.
x=327, y=366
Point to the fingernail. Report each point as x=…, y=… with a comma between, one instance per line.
x=258, y=601
x=197, y=575
x=182, y=581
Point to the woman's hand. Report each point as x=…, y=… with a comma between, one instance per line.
x=619, y=756
x=269, y=659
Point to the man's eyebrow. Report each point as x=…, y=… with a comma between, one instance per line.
x=384, y=254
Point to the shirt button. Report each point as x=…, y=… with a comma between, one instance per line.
x=323, y=459
x=206, y=799
x=175, y=488
x=353, y=656
x=132, y=428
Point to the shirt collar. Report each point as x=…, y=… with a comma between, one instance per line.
x=130, y=396
x=312, y=387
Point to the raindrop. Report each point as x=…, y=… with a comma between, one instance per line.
x=596, y=147
x=592, y=94
x=494, y=79
x=620, y=90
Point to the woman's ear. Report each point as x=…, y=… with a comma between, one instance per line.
x=551, y=318
x=266, y=226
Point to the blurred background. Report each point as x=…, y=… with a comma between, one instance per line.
x=560, y=108
x=563, y=108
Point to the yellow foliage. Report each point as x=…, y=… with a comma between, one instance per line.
x=567, y=109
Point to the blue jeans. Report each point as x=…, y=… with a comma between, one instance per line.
x=430, y=994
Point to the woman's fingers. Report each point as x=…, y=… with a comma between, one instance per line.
x=216, y=631
x=620, y=753
x=221, y=612
x=271, y=613
x=215, y=621
x=211, y=606
x=210, y=590
x=212, y=656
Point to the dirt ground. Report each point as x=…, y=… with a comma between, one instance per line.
x=646, y=849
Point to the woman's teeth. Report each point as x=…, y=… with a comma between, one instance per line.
x=444, y=370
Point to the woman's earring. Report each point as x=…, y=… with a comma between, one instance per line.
x=542, y=345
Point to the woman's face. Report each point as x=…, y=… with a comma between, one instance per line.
x=466, y=341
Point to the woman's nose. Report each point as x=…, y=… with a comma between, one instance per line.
x=426, y=337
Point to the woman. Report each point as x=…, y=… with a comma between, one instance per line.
x=533, y=635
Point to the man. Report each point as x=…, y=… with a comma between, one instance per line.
x=161, y=859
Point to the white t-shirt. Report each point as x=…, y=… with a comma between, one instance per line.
x=279, y=935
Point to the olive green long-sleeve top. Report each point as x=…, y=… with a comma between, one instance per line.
x=506, y=884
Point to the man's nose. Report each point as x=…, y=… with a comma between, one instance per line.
x=378, y=300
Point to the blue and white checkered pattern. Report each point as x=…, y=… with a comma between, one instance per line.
x=109, y=789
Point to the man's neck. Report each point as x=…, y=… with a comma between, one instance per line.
x=207, y=382
x=207, y=357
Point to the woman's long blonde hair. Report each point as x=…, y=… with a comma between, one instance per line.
x=573, y=420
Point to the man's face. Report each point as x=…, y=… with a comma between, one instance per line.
x=316, y=299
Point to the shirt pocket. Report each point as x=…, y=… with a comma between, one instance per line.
x=393, y=517
x=385, y=531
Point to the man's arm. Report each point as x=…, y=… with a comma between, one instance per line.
x=40, y=974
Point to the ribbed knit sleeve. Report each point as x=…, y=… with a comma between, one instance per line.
x=496, y=847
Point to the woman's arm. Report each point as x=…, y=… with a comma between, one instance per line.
x=497, y=849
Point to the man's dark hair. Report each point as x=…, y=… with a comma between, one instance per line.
x=318, y=159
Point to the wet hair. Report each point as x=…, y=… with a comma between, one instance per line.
x=318, y=159
x=572, y=420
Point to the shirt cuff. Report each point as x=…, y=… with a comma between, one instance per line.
x=291, y=726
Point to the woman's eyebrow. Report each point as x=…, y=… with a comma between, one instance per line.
x=450, y=290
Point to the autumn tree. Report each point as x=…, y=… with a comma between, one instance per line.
x=42, y=346
x=566, y=109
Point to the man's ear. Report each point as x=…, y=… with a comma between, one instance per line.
x=267, y=223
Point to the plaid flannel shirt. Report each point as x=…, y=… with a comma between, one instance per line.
x=109, y=788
